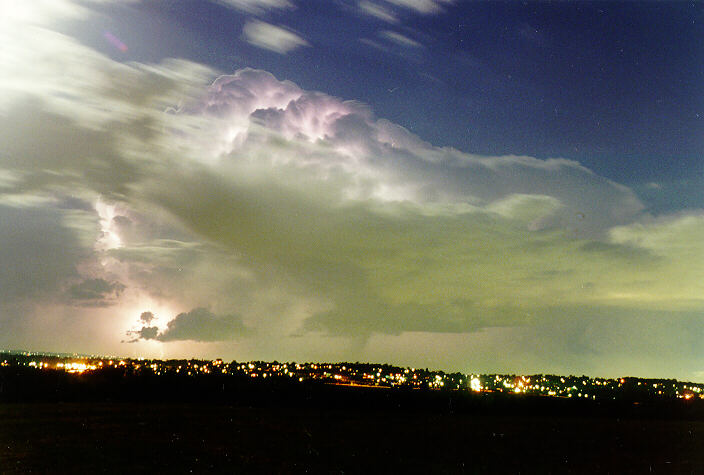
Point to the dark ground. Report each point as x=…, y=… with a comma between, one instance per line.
x=98, y=437
x=116, y=423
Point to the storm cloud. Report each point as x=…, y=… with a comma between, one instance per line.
x=95, y=292
x=198, y=325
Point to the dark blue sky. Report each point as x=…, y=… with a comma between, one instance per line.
x=616, y=86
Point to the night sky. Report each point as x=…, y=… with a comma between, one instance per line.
x=472, y=186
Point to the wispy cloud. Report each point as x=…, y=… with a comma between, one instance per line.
x=273, y=38
x=399, y=39
x=377, y=11
x=256, y=7
x=423, y=6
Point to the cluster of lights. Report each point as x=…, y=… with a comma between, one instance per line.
x=578, y=387
x=381, y=376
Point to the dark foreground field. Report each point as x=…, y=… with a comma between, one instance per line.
x=117, y=423
x=122, y=437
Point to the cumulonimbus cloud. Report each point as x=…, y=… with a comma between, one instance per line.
x=383, y=161
x=392, y=233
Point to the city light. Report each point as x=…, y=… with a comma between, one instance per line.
x=370, y=375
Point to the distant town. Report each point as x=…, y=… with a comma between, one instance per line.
x=366, y=375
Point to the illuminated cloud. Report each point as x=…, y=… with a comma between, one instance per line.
x=327, y=138
x=273, y=38
x=41, y=12
x=394, y=235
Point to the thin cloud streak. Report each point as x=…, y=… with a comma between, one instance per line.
x=377, y=11
x=257, y=7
